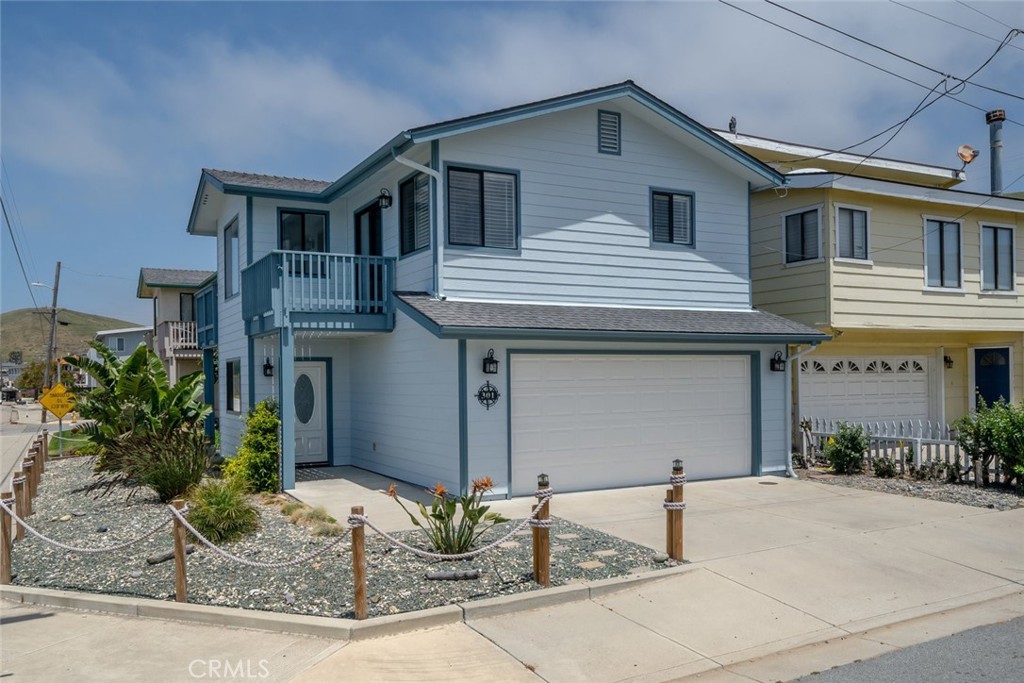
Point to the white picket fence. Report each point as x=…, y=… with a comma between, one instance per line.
x=918, y=441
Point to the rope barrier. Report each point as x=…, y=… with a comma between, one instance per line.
x=18, y=480
x=677, y=479
x=75, y=549
x=252, y=563
x=543, y=495
x=673, y=506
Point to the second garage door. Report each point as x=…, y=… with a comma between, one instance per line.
x=603, y=421
x=859, y=389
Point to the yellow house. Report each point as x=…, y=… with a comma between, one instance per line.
x=919, y=284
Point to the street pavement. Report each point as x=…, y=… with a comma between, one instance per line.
x=986, y=654
x=786, y=578
x=18, y=426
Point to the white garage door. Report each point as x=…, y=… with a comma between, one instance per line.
x=871, y=389
x=600, y=421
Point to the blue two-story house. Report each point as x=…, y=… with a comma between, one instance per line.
x=558, y=287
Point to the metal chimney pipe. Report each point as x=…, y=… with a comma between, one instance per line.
x=995, y=119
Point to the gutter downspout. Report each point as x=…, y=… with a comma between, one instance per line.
x=436, y=175
x=789, y=406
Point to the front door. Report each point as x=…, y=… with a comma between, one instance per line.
x=311, y=445
x=369, y=277
x=992, y=374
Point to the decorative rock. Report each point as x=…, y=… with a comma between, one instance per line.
x=510, y=544
x=606, y=553
x=102, y=529
x=136, y=574
x=65, y=518
x=590, y=564
x=289, y=598
x=660, y=557
x=169, y=555
x=454, y=575
x=566, y=537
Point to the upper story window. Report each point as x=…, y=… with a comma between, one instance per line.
x=672, y=218
x=233, y=385
x=188, y=307
x=119, y=343
x=609, y=132
x=997, y=272
x=802, y=235
x=942, y=253
x=482, y=208
x=231, y=260
x=414, y=217
x=851, y=233
x=303, y=231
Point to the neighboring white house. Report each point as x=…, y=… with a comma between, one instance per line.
x=595, y=245
x=122, y=342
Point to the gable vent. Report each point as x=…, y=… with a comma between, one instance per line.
x=609, y=132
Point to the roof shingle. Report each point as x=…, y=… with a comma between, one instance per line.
x=170, y=277
x=268, y=182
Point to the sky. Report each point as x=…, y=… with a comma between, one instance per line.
x=109, y=110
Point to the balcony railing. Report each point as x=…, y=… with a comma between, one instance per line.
x=301, y=285
x=176, y=335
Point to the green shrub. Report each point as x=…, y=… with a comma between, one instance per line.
x=995, y=431
x=170, y=464
x=884, y=467
x=255, y=466
x=845, y=450
x=221, y=511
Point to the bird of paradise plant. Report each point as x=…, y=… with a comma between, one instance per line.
x=445, y=529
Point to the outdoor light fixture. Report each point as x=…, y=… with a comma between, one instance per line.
x=948, y=362
x=777, y=364
x=384, y=198
x=490, y=364
x=268, y=369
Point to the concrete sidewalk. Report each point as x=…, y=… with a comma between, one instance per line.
x=19, y=424
x=787, y=577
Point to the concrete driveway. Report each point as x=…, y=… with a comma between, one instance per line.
x=777, y=564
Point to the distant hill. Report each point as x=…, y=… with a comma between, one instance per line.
x=28, y=330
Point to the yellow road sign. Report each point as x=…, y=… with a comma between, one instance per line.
x=58, y=400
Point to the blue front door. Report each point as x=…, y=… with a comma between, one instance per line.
x=992, y=374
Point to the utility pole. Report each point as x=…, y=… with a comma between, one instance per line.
x=51, y=352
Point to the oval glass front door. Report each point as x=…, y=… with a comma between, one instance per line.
x=305, y=399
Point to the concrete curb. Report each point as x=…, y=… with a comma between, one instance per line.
x=330, y=627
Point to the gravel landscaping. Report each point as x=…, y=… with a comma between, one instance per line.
x=962, y=494
x=68, y=512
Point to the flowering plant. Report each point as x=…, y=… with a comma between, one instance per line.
x=448, y=532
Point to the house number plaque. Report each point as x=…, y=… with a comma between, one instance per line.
x=488, y=395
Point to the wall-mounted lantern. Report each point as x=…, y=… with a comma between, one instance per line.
x=490, y=363
x=268, y=369
x=384, y=198
x=777, y=363
x=948, y=362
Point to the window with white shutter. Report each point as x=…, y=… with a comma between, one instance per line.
x=672, y=218
x=414, y=213
x=802, y=235
x=609, y=132
x=482, y=208
x=852, y=233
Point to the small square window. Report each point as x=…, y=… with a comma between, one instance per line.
x=672, y=218
x=802, y=235
x=482, y=208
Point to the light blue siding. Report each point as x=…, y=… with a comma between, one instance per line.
x=232, y=339
x=585, y=219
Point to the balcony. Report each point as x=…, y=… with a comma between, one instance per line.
x=177, y=339
x=311, y=290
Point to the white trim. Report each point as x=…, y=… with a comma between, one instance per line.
x=890, y=188
x=981, y=259
x=924, y=252
x=821, y=214
x=867, y=233
x=123, y=330
x=853, y=261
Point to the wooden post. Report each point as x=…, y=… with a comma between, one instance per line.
x=28, y=466
x=677, y=515
x=180, y=579
x=668, y=524
x=359, y=565
x=21, y=503
x=5, y=541
x=535, y=532
x=542, y=543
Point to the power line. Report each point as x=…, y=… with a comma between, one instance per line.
x=988, y=16
x=954, y=24
x=1013, y=33
x=20, y=223
x=17, y=251
x=118, y=277
x=857, y=59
